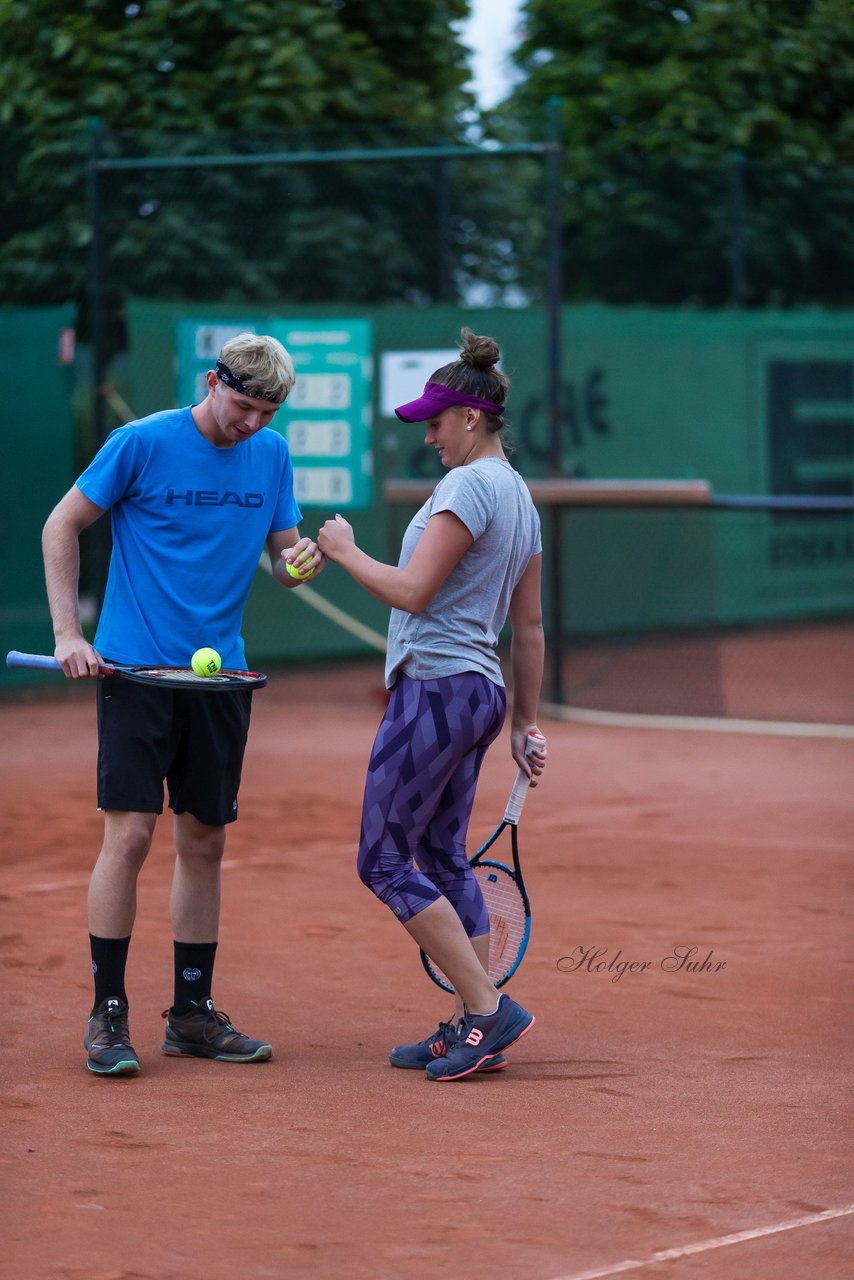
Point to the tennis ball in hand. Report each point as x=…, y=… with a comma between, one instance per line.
x=298, y=573
x=206, y=662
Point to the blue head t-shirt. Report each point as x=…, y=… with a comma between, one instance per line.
x=190, y=521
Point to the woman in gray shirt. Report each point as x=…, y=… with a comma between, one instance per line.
x=470, y=559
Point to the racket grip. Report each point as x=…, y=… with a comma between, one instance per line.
x=38, y=661
x=520, y=787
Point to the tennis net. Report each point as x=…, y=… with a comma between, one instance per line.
x=663, y=599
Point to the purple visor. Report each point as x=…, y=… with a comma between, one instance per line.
x=437, y=397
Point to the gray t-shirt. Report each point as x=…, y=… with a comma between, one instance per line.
x=459, y=629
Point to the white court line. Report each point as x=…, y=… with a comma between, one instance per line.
x=706, y=724
x=703, y=1246
x=51, y=886
x=311, y=596
x=80, y=882
x=613, y=719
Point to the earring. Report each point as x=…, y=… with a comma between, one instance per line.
x=470, y=426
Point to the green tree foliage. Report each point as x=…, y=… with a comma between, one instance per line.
x=772, y=78
x=678, y=115
x=199, y=64
x=198, y=76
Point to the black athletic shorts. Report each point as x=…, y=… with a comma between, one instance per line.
x=193, y=740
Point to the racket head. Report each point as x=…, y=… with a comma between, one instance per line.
x=186, y=678
x=509, y=924
x=171, y=677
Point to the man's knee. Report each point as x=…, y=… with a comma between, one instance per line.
x=195, y=840
x=127, y=837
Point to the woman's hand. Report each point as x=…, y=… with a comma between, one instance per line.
x=335, y=538
x=532, y=761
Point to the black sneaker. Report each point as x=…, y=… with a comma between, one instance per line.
x=415, y=1057
x=204, y=1032
x=107, y=1040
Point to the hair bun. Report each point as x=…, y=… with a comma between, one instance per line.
x=480, y=353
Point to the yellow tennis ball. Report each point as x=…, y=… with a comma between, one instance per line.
x=206, y=662
x=298, y=573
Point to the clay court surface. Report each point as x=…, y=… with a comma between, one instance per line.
x=655, y=1112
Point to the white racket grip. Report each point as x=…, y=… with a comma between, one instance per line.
x=520, y=787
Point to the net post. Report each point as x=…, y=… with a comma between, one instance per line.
x=554, y=271
x=554, y=300
x=556, y=599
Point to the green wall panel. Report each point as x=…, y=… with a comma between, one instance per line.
x=38, y=468
x=753, y=402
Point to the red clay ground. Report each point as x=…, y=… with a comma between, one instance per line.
x=645, y=1114
x=794, y=673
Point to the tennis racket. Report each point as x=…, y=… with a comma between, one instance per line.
x=503, y=891
x=171, y=677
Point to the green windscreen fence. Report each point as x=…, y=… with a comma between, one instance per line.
x=38, y=466
x=706, y=612
x=756, y=403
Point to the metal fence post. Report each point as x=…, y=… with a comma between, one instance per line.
x=554, y=302
x=94, y=133
x=737, y=227
x=95, y=566
x=444, y=289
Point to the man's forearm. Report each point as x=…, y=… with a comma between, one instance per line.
x=61, y=550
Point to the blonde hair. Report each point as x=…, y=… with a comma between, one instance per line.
x=263, y=365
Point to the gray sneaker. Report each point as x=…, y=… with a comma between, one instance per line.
x=107, y=1040
x=204, y=1032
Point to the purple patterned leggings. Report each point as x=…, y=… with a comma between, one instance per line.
x=419, y=794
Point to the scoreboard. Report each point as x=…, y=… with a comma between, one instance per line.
x=326, y=419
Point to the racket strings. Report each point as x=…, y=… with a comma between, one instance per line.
x=507, y=923
x=185, y=676
x=507, y=919
x=170, y=675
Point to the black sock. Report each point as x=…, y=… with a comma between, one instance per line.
x=109, y=959
x=194, y=962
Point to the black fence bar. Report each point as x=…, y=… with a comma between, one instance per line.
x=737, y=229
x=561, y=495
x=241, y=160
x=555, y=628
x=781, y=502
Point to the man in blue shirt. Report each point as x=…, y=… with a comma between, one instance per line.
x=195, y=495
